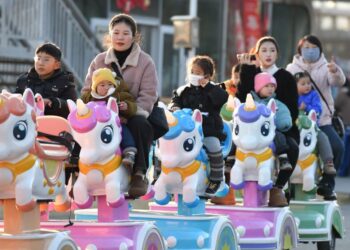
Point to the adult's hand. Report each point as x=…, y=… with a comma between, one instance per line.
x=332, y=67
x=244, y=59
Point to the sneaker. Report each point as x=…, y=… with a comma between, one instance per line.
x=327, y=193
x=284, y=163
x=138, y=186
x=212, y=187
x=128, y=160
x=329, y=168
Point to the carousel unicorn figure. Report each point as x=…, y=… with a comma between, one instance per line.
x=22, y=173
x=97, y=129
x=253, y=132
x=184, y=161
x=305, y=169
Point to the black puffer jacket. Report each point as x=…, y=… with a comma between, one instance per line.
x=58, y=88
x=208, y=100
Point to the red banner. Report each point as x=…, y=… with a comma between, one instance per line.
x=128, y=5
x=251, y=21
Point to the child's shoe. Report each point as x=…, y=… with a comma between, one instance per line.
x=128, y=160
x=138, y=185
x=284, y=163
x=212, y=187
x=329, y=168
x=277, y=198
x=327, y=193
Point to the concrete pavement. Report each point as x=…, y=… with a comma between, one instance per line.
x=342, y=185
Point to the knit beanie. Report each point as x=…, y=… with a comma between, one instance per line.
x=103, y=74
x=262, y=79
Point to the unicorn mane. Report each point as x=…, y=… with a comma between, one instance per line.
x=184, y=122
x=98, y=112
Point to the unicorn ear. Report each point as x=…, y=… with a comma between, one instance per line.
x=28, y=97
x=71, y=105
x=112, y=105
x=272, y=105
x=312, y=115
x=39, y=102
x=197, y=116
x=236, y=102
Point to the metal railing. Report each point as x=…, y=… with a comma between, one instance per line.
x=26, y=23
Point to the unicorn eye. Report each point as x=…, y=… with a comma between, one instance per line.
x=188, y=144
x=20, y=130
x=307, y=139
x=107, y=134
x=265, y=129
x=236, y=129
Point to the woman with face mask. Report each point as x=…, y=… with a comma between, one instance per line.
x=324, y=74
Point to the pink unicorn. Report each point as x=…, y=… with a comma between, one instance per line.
x=97, y=129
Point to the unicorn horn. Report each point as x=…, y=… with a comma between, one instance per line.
x=82, y=109
x=249, y=103
x=230, y=103
x=171, y=119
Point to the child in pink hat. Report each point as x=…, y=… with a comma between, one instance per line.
x=264, y=89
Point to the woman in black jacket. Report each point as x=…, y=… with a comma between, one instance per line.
x=266, y=52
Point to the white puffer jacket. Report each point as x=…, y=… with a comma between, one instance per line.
x=324, y=80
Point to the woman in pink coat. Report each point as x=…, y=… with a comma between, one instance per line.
x=139, y=72
x=324, y=74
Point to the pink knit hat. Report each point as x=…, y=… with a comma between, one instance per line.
x=262, y=79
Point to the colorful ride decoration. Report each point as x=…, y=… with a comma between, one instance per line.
x=184, y=163
x=96, y=127
x=305, y=169
x=253, y=132
x=259, y=226
x=184, y=174
x=318, y=221
x=23, y=178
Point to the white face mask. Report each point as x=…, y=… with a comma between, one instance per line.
x=193, y=79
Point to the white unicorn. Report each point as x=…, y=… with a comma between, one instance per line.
x=305, y=169
x=253, y=132
x=184, y=161
x=97, y=129
x=22, y=173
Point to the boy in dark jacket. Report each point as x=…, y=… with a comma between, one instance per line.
x=47, y=78
x=55, y=85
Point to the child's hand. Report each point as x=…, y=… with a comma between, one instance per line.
x=47, y=102
x=173, y=109
x=332, y=67
x=123, y=106
x=302, y=106
x=123, y=120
